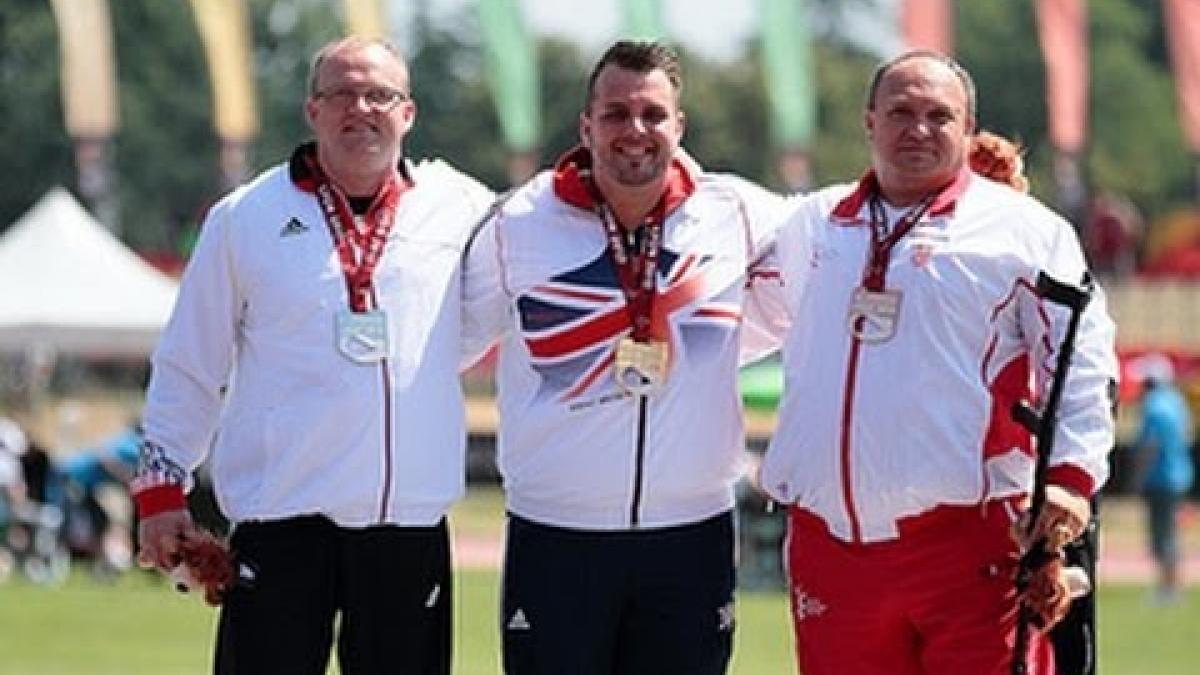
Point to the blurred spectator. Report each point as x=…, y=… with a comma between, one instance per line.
x=1114, y=229
x=13, y=444
x=41, y=483
x=12, y=487
x=1164, y=467
x=87, y=474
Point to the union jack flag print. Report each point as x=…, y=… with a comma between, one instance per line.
x=572, y=323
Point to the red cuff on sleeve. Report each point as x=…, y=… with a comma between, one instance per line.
x=158, y=499
x=1072, y=477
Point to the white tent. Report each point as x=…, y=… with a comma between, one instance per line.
x=67, y=285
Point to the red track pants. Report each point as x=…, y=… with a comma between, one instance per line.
x=938, y=600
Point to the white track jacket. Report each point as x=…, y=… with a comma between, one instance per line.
x=870, y=433
x=574, y=450
x=249, y=356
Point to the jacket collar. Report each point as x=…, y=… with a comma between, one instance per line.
x=303, y=168
x=573, y=181
x=848, y=209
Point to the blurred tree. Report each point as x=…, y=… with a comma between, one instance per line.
x=38, y=153
x=564, y=83
x=1138, y=146
x=997, y=43
x=455, y=119
x=841, y=151
x=166, y=149
x=1134, y=147
x=727, y=127
x=166, y=152
x=286, y=35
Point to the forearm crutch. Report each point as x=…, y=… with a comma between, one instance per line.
x=1042, y=426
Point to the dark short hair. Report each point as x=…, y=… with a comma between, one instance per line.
x=351, y=42
x=961, y=73
x=641, y=56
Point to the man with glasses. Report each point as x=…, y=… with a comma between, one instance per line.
x=318, y=327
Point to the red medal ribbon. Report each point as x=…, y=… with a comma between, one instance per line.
x=636, y=273
x=883, y=242
x=358, y=250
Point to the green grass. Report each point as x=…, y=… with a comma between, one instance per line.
x=138, y=625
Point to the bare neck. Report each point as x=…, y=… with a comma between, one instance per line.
x=901, y=188
x=903, y=191
x=902, y=197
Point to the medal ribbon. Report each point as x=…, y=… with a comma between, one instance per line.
x=358, y=251
x=636, y=273
x=882, y=242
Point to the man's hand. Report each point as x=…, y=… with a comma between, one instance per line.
x=1048, y=595
x=1051, y=587
x=1064, y=517
x=160, y=537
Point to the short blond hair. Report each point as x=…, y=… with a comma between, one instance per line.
x=352, y=43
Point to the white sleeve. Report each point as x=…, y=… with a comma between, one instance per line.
x=1084, y=429
x=478, y=196
x=765, y=319
x=192, y=363
x=486, y=302
x=789, y=261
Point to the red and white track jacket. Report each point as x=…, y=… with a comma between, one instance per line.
x=871, y=433
x=301, y=429
x=574, y=450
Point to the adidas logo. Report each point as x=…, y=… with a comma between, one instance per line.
x=293, y=227
x=518, y=621
x=433, y=596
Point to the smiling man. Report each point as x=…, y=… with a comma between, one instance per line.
x=917, y=325
x=318, y=327
x=624, y=287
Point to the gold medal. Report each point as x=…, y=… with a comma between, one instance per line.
x=640, y=367
x=873, y=314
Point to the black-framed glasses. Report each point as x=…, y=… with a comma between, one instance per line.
x=378, y=99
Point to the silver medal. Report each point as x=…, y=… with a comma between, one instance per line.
x=873, y=314
x=363, y=337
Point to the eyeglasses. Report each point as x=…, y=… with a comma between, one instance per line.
x=378, y=99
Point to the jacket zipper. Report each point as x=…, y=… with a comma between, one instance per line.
x=386, y=378
x=847, y=418
x=639, y=460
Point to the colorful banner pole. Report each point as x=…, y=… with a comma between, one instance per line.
x=1062, y=33
x=1182, y=23
x=928, y=24
x=224, y=27
x=790, y=81
x=89, y=92
x=510, y=57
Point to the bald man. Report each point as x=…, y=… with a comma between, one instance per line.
x=915, y=326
